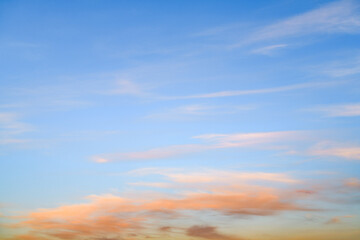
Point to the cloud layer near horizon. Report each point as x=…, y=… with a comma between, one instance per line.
x=114, y=217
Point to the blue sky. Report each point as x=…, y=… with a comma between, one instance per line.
x=165, y=100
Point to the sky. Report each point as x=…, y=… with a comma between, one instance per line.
x=191, y=120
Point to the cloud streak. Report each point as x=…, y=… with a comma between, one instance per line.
x=212, y=141
x=11, y=128
x=342, y=110
x=293, y=87
x=210, y=176
x=336, y=17
x=337, y=219
x=198, y=110
x=269, y=50
x=344, y=151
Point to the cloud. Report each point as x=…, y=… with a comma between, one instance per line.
x=187, y=110
x=11, y=128
x=213, y=141
x=343, y=110
x=337, y=219
x=345, y=152
x=80, y=221
x=198, y=110
x=155, y=153
x=107, y=216
x=213, y=176
x=28, y=237
x=336, y=17
x=268, y=50
x=336, y=150
x=115, y=217
x=309, y=85
x=207, y=232
x=251, y=139
x=127, y=87
x=352, y=183
x=165, y=228
x=10, y=123
x=344, y=68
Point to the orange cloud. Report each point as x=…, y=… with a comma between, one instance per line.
x=337, y=219
x=115, y=217
x=108, y=215
x=231, y=203
x=352, y=182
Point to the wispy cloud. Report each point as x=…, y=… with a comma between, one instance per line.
x=212, y=141
x=342, y=110
x=343, y=68
x=11, y=128
x=46, y=97
x=259, y=91
x=209, y=176
x=198, y=110
x=338, y=219
x=352, y=183
x=127, y=87
x=269, y=50
x=336, y=17
x=155, y=153
x=187, y=110
x=333, y=149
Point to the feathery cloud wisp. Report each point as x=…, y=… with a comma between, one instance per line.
x=336, y=17
x=127, y=87
x=258, y=91
x=336, y=150
x=268, y=50
x=343, y=110
x=214, y=176
x=213, y=141
x=11, y=128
